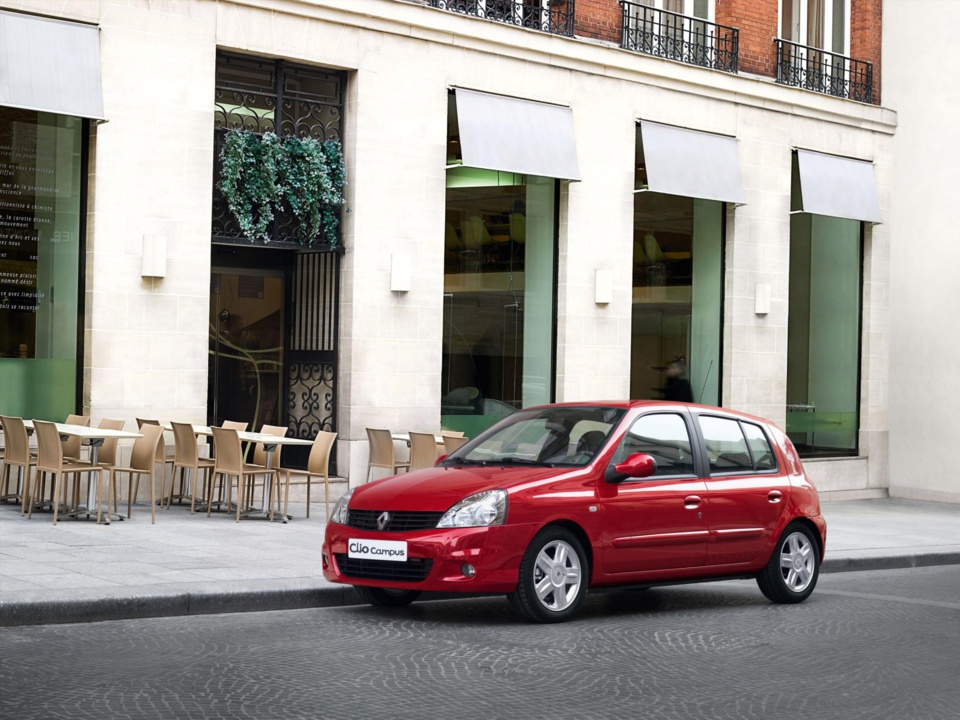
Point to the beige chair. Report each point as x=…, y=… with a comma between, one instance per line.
x=142, y=462
x=163, y=455
x=187, y=459
x=107, y=455
x=260, y=455
x=235, y=425
x=423, y=450
x=451, y=433
x=71, y=446
x=318, y=464
x=50, y=461
x=17, y=455
x=381, y=452
x=229, y=464
x=451, y=443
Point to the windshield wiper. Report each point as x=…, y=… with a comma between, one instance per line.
x=521, y=461
x=464, y=461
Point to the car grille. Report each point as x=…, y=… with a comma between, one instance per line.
x=399, y=521
x=413, y=570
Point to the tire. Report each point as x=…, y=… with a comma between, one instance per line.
x=383, y=597
x=793, y=569
x=554, y=573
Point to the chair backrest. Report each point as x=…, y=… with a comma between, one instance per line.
x=451, y=433
x=451, y=241
x=49, y=449
x=229, y=456
x=652, y=248
x=381, y=447
x=144, y=454
x=590, y=441
x=143, y=421
x=319, y=460
x=423, y=450
x=235, y=425
x=71, y=446
x=451, y=443
x=259, y=455
x=184, y=444
x=518, y=227
x=15, y=436
x=108, y=451
x=475, y=233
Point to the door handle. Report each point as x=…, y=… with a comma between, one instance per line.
x=691, y=502
x=774, y=496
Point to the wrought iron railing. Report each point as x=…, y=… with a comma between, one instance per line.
x=674, y=36
x=823, y=71
x=549, y=16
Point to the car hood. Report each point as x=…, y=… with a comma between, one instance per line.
x=439, y=488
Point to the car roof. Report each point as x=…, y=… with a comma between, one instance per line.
x=629, y=404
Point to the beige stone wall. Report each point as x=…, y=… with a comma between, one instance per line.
x=146, y=340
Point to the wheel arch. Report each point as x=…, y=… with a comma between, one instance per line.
x=581, y=535
x=814, y=531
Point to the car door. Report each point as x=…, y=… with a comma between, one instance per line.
x=746, y=487
x=655, y=523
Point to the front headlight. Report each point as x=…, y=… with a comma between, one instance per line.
x=340, y=515
x=482, y=509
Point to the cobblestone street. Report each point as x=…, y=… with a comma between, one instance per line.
x=867, y=644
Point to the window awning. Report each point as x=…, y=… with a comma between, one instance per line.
x=50, y=66
x=691, y=163
x=838, y=187
x=513, y=135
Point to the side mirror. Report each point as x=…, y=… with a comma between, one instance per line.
x=638, y=465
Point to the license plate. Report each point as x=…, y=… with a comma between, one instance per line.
x=394, y=550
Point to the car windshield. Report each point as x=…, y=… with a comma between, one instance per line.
x=546, y=437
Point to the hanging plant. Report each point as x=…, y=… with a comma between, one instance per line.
x=261, y=177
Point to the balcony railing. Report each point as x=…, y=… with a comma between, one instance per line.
x=680, y=37
x=549, y=16
x=823, y=71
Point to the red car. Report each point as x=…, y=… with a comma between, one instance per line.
x=558, y=498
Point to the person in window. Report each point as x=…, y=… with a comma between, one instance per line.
x=678, y=387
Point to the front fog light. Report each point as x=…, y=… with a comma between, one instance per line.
x=468, y=570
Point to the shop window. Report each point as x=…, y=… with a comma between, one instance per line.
x=40, y=251
x=823, y=333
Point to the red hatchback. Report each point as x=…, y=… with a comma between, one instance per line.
x=558, y=498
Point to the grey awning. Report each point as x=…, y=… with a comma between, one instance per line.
x=838, y=187
x=50, y=66
x=690, y=163
x=513, y=135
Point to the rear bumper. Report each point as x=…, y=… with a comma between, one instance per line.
x=494, y=552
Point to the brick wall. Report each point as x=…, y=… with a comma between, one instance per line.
x=599, y=19
x=757, y=22
x=865, y=25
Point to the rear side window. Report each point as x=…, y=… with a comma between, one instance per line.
x=735, y=447
x=665, y=438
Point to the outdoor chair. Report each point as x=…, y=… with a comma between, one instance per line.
x=71, y=446
x=187, y=459
x=17, y=455
x=164, y=457
x=382, y=453
x=229, y=464
x=142, y=462
x=50, y=461
x=451, y=443
x=423, y=450
x=318, y=464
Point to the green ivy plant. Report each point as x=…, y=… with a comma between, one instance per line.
x=262, y=176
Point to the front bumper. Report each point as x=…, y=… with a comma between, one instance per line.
x=437, y=554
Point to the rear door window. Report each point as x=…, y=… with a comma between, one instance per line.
x=734, y=447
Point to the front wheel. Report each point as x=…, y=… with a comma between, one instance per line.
x=384, y=597
x=794, y=567
x=553, y=577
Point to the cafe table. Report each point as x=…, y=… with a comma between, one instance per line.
x=93, y=437
x=270, y=444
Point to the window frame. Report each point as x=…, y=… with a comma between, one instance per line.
x=740, y=423
x=828, y=39
x=696, y=448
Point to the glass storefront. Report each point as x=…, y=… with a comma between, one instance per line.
x=40, y=215
x=677, y=298
x=499, y=296
x=823, y=335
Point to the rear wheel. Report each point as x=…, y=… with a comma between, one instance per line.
x=386, y=597
x=791, y=575
x=553, y=577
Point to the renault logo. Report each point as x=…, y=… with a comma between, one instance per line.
x=383, y=520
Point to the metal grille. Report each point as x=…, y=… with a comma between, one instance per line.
x=549, y=16
x=823, y=71
x=675, y=36
x=413, y=570
x=314, y=301
x=260, y=96
x=399, y=521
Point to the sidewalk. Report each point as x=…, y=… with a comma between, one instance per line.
x=185, y=565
